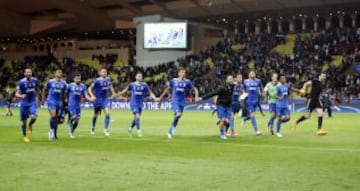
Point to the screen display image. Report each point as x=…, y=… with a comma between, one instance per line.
x=165, y=35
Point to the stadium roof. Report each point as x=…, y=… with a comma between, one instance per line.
x=28, y=17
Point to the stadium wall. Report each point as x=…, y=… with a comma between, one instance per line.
x=296, y=105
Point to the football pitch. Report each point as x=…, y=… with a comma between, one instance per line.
x=195, y=159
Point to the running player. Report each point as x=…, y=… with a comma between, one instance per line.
x=282, y=103
x=139, y=90
x=235, y=101
x=101, y=87
x=76, y=91
x=270, y=98
x=180, y=87
x=26, y=91
x=224, y=94
x=56, y=95
x=314, y=103
x=252, y=87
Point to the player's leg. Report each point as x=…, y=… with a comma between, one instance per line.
x=137, y=122
x=74, y=114
x=245, y=114
x=319, y=112
x=24, y=113
x=178, y=109
x=278, y=126
x=329, y=111
x=310, y=108
x=107, y=121
x=252, y=109
x=234, y=111
x=33, y=117
x=221, y=114
x=53, y=121
x=270, y=123
x=97, y=111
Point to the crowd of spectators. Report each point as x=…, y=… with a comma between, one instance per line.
x=312, y=54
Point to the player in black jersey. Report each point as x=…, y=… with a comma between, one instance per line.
x=314, y=102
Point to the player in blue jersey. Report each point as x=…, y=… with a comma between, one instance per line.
x=235, y=101
x=282, y=103
x=270, y=98
x=26, y=91
x=180, y=87
x=101, y=88
x=252, y=87
x=283, y=90
x=76, y=91
x=56, y=96
x=139, y=90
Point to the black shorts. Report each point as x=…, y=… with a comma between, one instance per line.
x=313, y=104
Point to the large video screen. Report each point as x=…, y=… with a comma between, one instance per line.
x=165, y=35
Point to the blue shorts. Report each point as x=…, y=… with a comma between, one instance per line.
x=98, y=106
x=74, y=110
x=26, y=111
x=272, y=107
x=177, y=107
x=281, y=111
x=235, y=107
x=251, y=106
x=53, y=106
x=224, y=112
x=136, y=108
x=61, y=113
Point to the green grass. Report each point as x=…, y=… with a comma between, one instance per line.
x=196, y=159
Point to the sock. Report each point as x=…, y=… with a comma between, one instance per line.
x=271, y=123
x=70, y=125
x=175, y=121
x=222, y=131
x=32, y=121
x=253, y=122
x=23, y=128
x=232, y=128
x=246, y=118
x=278, y=126
x=284, y=120
x=53, y=123
x=107, y=121
x=302, y=118
x=329, y=112
x=74, y=126
x=94, y=121
x=132, y=124
x=137, y=124
x=320, y=119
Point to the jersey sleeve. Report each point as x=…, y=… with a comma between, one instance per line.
x=65, y=87
x=278, y=91
x=190, y=84
x=48, y=85
x=84, y=89
x=147, y=88
x=170, y=84
x=130, y=87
